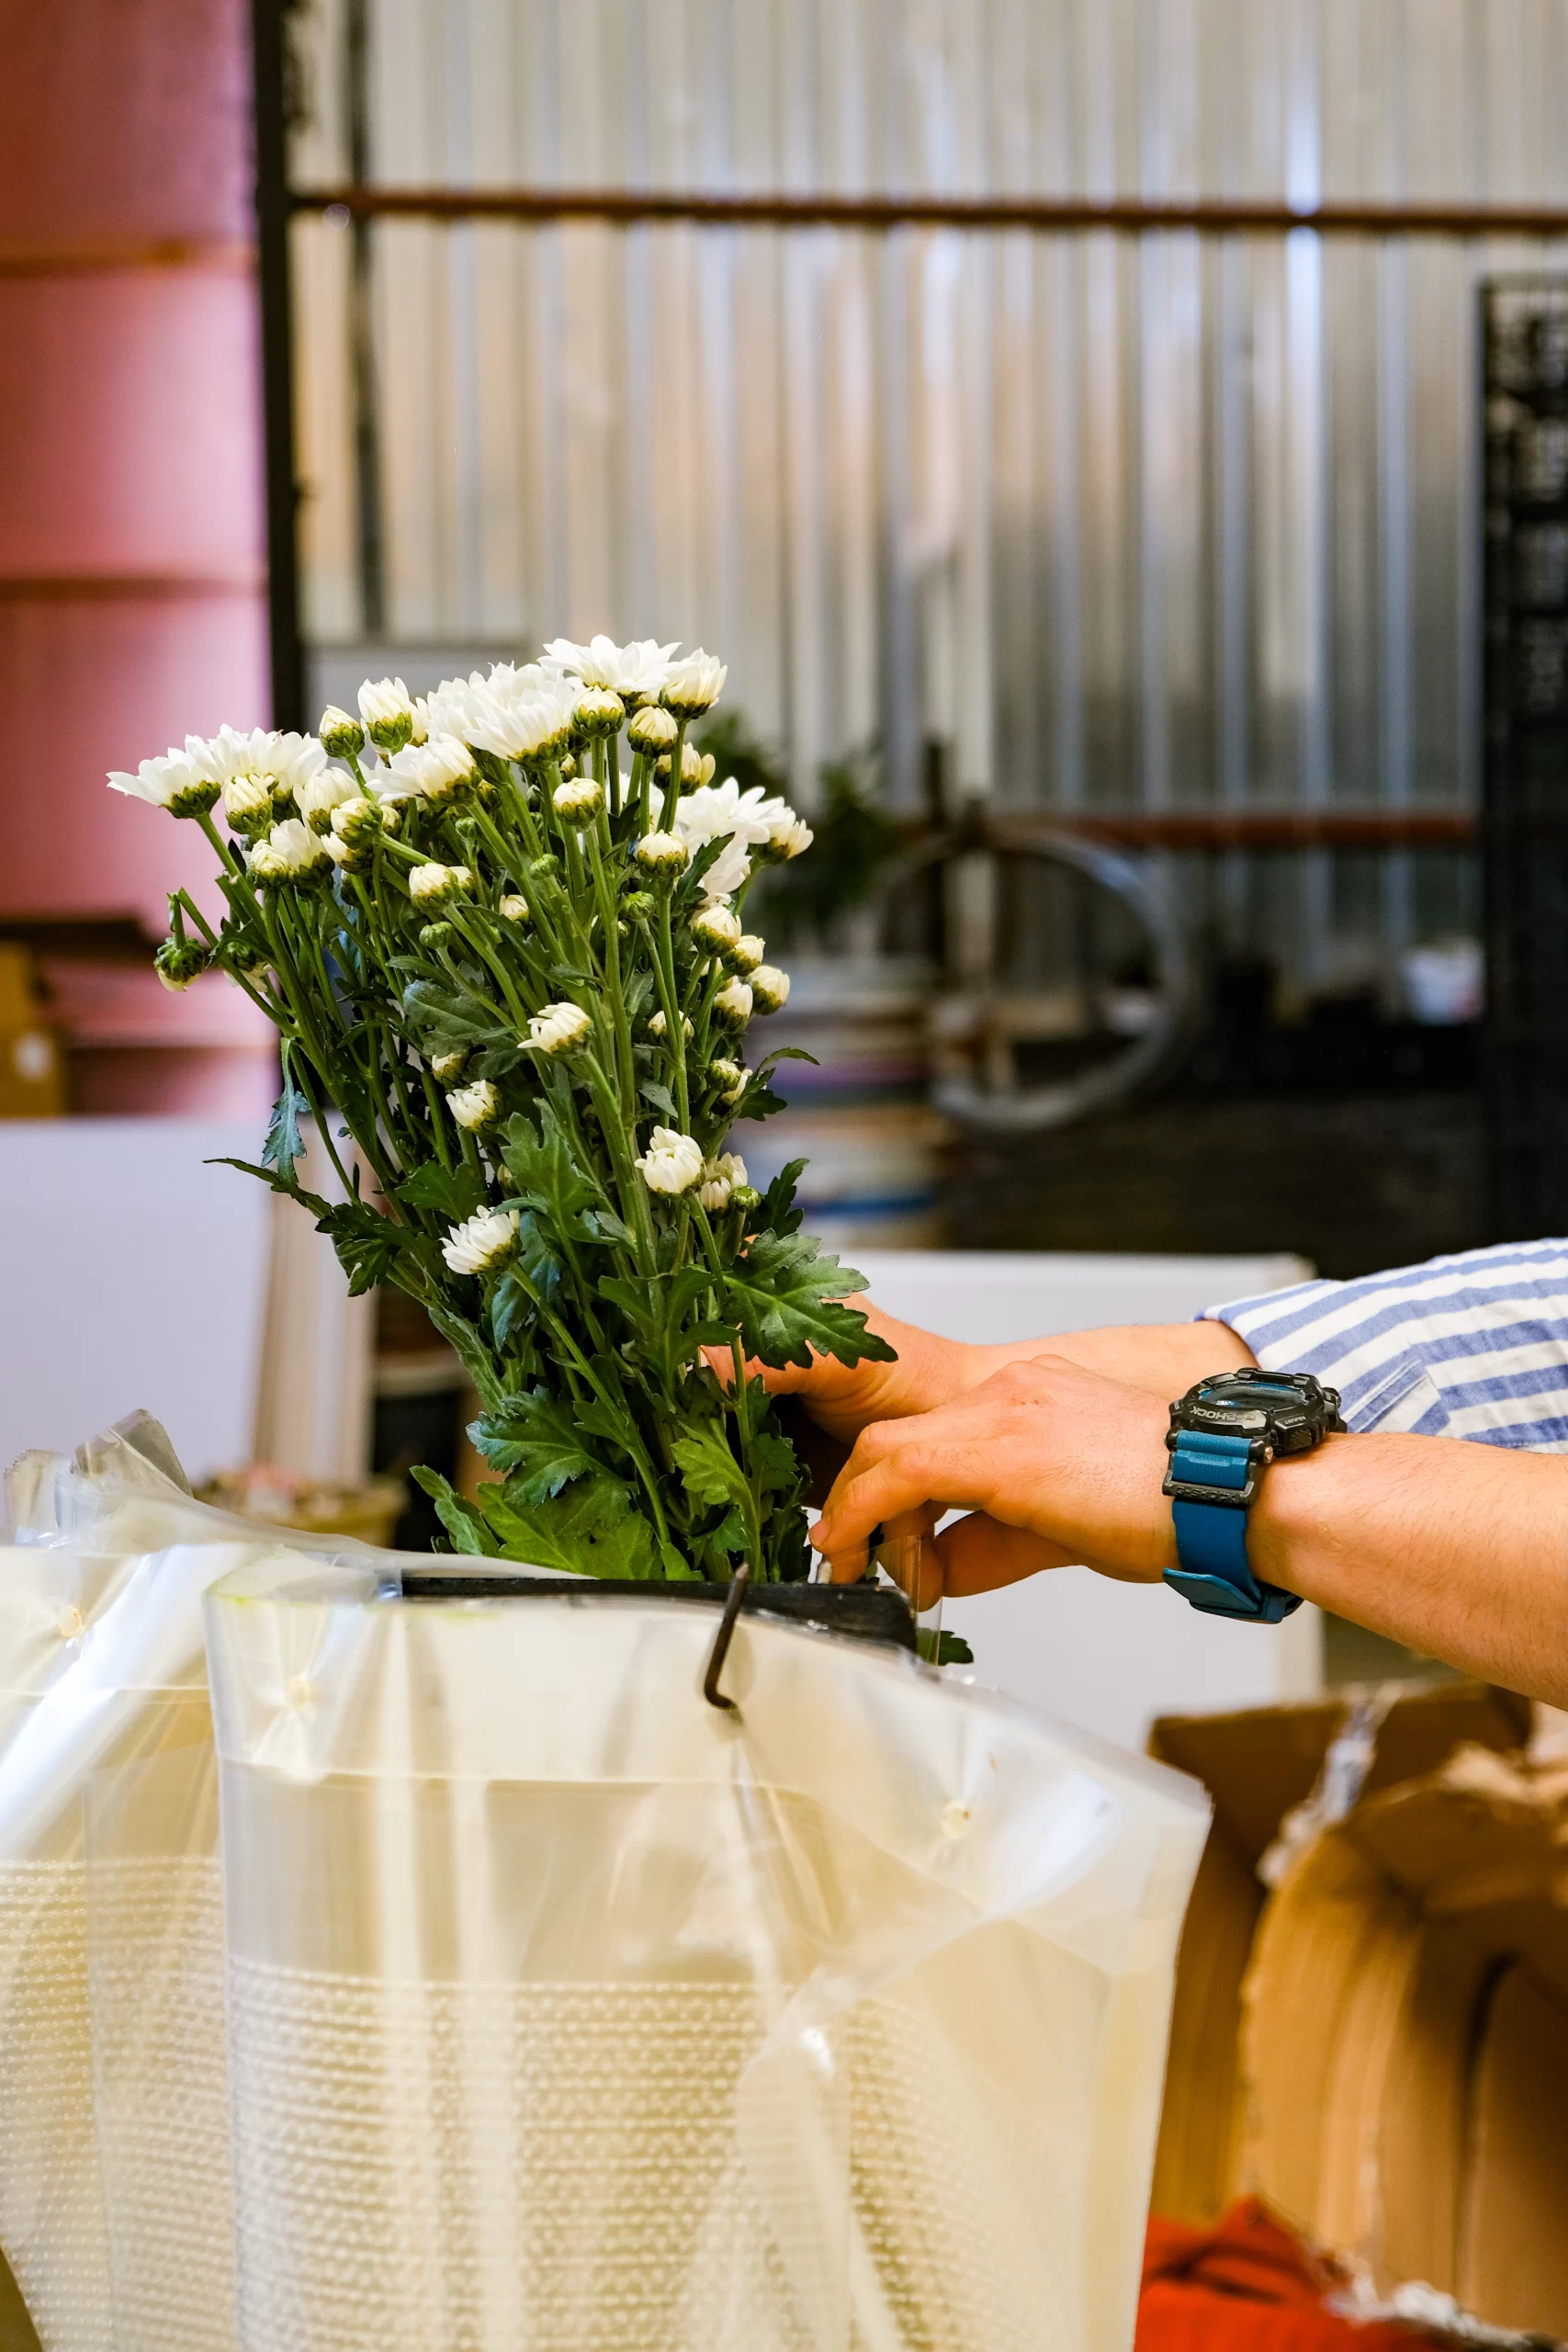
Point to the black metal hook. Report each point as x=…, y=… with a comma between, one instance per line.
x=721, y=1640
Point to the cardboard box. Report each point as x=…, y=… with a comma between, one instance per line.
x=1257, y=1765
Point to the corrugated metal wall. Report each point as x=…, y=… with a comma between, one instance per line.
x=1165, y=521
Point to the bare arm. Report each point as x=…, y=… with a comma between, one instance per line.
x=1459, y=1549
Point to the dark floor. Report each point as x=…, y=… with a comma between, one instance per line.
x=1354, y=1183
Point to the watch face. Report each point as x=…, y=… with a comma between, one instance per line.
x=1239, y=1395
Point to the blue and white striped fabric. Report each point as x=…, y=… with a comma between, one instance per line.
x=1472, y=1346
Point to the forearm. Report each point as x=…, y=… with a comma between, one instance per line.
x=1162, y=1359
x=1457, y=1549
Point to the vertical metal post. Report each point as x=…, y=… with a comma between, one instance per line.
x=269, y=51
x=362, y=331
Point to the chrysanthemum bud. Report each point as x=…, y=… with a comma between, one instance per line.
x=445, y=1068
x=420, y=711
x=659, y=1026
x=639, y=905
x=546, y=869
x=435, y=885
x=662, y=855
x=694, y=685
x=733, y=1003
x=730, y=1078
x=240, y=960
x=434, y=937
x=789, y=837
x=746, y=1198
x=388, y=713
x=247, y=804
x=770, y=987
x=672, y=1162
x=566, y=767
x=482, y=1242
x=178, y=962
x=719, y=1179
x=341, y=733
x=599, y=712
x=716, y=925
x=559, y=1029
x=512, y=908
x=696, y=767
x=475, y=1107
x=652, y=730
x=290, y=852
x=746, y=954
x=578, y=803
x=358, y=821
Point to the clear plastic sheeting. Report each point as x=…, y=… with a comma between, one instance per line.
x=116, y=2203
x=569, y=2014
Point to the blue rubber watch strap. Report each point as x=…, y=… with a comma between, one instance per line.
x=1211, y=1538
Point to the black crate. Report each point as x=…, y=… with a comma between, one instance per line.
x=1525, y=692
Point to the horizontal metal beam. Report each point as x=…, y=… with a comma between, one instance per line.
x=1214, y=830
x=1044, y=215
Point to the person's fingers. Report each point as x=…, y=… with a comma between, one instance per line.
x=977, y=1554
x=927, y=1468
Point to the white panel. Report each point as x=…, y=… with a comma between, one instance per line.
x=131, y=1273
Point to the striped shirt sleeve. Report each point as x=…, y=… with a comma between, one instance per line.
x=1470, y=1346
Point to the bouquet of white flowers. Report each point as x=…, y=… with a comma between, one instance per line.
x=517, y=974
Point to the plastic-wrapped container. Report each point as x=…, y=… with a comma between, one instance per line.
x=569, y=2014
x=116, y=2206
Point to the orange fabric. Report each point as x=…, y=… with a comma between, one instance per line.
x=1247, y=2285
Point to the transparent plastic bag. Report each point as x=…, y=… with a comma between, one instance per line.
x=569, y=2014
x=111, y=2030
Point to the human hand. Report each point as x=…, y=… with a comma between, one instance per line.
x=842, y=1398
x=1056, y=1465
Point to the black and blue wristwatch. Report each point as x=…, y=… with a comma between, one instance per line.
x=1222, y=1436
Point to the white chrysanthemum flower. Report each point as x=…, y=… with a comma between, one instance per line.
x=558, y=1028
x=433, y=885
x=672, y=1162
x=733, y=1003
x=341, y=733
x=174, y=783
x=434, y=771
x=298, y=760
x=716, y=925
x=358, y=820
x=419, y=709
x=730, y=1078
x=659, y=1026
x=770, y=987
x=445, y=1068
x=482, y=1242
x=662, y=854
x=475, y=1107
x=653, y=730
x=579, y=802
x=789, y=836
x=513, y=908
x=719, y=1179
x=692, y=685
x=387, y=708
x=747, y=953
x=519, y=715
x=743, y=820
x=636, y=669
x=290, y=852
x=230, y=754
x=317, y=796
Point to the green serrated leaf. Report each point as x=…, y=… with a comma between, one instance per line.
x=463, y=1523
x=778, y=1463
x=591, y=1530
x=709, y=1472
x=450, y=1193
x=369, y=1245
x=785, y=1297
x=283, y=1145
x=608, y=1227
x=653, y=1091
x=545, y=1172
x=778, y=1213
x=442, y=1020
x=536, y=1440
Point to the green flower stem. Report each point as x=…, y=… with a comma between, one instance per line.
x=495, y=964
x=674, y=1019
x=438, y=1116
x=322, y=1126
x=605, y=892
x=229, y=863
x=616, y=1125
